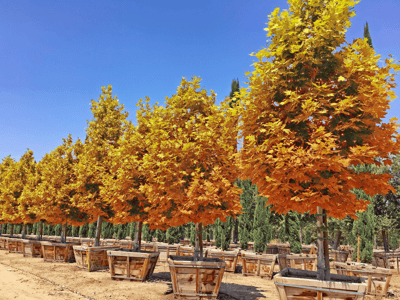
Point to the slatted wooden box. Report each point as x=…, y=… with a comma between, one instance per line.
x=294, y=284
x=125, y=264
x=15, y=245
x=271, y=249
x=258, y=265
x=302, y=261
x=166, y=250
x=92, y=258
x=309, y=249
x=185, y=251
x=32, y=248
x=229, y=257
x=196, y=280
x=389, y=260
x=378, y=279
x=3, y=243
x=340, y=256
x=58, y=252
x=283, y=248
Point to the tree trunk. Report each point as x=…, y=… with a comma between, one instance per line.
x=1, y=229
x=375, y=241
x=39, y=237
x=385, y=241
x=323, y=251
x=138, y=236
x=98, y=231
x=64, y=232
x=198, y=250
x=358, y=248
x=326, y=246
x=23, y=231
x=337, y=239
x=12, y=230
x=301, y=236
x=236, y=231
x=208, y=234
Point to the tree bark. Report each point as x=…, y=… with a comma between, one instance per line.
x=323, y=251
x=358, y=248
x=375, y=241
x=1, y=229
x=39, y=237
x=23, y=231
x=98, y=231
x=326, y=246
x=198, y=250
x=337, y=239
x=138, y=236
x=236, y=231
x=12, y=230
x=208, y=234
x=64, y=232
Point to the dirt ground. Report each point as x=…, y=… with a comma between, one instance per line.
x=33, y=279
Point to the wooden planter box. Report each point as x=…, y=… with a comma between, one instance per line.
x=271, y=249
x=196, y=280
x=15, y=245
x=166, y=250
x=294, y=284
x=32, y=248
x=250, y=246
x=340, y=256
x=185, y=251
x=389, y=260
x=184, y=242
x=87, y=242
x=58, y=252
x=128, y=265
x=229, y=257
x=258, y=265
x=3, y=243
x=283, y=249
x=92, y=258
x=148, y=247
x=302, y=261
x=378, y=279
x=309, y=249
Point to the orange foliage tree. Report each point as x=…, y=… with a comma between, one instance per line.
x=54, y=194
x=314, y=106
x=188, y=166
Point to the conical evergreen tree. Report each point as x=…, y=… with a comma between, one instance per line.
x=92, y=230
x=57, y=230
x=160, y=235
x=246, y=219
x=226, y=232
x=147, y=233
x=173, y=234
x=75, y=231
x=107, y=230
x=367, y=35
x=292, y=228
x=261, y=226
x=83, y=230
x=218, y=233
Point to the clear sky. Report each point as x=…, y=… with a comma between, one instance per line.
x=56, y=55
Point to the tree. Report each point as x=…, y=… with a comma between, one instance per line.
x=364, y=228
x=367, y=35
x=313, y=107
x=173, y=235
x=102, y=137
x=261, y=226
x=188, y=167
x=292, y=228
x=226, y=232
x=246, y=219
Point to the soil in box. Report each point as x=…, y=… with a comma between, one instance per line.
x=126, y=264
x=294, y=284
x=92, y=258
x=196, y=280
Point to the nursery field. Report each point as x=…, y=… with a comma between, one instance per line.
x=32, y=278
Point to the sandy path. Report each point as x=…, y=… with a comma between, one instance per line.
x=33, y=279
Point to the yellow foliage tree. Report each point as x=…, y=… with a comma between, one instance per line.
x=314, y=106
x=103, y=134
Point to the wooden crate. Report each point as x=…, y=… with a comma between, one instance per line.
x=250, y=246
x=389, y=260
x=283, y=248
x=87, y=242
x=128, y=265
x=185, y=251
x=32, y=248
x=229, y=257
x=302, y=261
x=309, y=249
x=378, y=279
x=271, y=249
x=3, y=243
x=166, y=250
x=294, y=284
x=258, y=265
x=184, y=242
x=92, y=258
x=196, y=280
x=15, y=245
x=58, y=252
x=340, y=256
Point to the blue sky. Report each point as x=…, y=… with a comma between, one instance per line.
x=56, y=56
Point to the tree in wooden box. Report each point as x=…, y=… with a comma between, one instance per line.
x=313, y=108
x=54, y=196
x=190, y=176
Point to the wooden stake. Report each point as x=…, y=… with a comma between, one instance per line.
x=358, y=248
x=98, y=231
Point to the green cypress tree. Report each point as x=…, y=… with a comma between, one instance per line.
x=261, y=226
x=57, y=230
x=367, y=35
x=394, y=239
x=364, y=227
x=107, y=230
x=147, y=233
x=246, y=219
x=83, y=230
x=292, y=228
x=92, y=230
x=132, y=230
x=226, y=232
x=160, y=235
x=51, y=229
x=218, y=233
x=75, y=231
x=173, y=235
x=192, y=234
